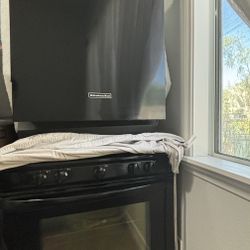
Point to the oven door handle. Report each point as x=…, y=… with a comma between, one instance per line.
x=10, y=204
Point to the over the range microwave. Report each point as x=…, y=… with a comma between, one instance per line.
x=87, y=60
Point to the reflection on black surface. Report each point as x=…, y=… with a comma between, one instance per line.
x=62, y=50
x=118, y=228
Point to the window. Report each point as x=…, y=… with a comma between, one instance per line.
x=233, y=84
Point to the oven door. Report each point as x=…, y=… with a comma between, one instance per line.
x=108, y=216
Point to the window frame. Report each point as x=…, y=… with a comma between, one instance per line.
x=218, y=78
x=217, y=109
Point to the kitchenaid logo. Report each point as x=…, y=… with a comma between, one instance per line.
x=99, y=95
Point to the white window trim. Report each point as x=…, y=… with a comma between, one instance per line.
x=227, y=175
x=203, y=76
x=197, y=72
x=200, y=85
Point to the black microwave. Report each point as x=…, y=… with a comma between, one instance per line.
x=87, y=60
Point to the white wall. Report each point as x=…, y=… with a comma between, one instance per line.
x=173, y=33
x=178, y=100
x=214, y=212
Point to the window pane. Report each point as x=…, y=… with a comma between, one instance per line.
x=235, y=81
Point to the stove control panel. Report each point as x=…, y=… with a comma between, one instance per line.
x=91, y=173
x=60, y=173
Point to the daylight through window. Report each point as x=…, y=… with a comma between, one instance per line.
x=234, y=80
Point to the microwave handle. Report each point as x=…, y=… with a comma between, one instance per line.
x=26, y=203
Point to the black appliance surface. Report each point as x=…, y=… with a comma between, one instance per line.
x=87, y=60
x=60, y=193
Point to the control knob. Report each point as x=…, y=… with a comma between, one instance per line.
x=149, y=167
x=62, y=175
x=100, y=172
x=42, y=177
x=133, y=168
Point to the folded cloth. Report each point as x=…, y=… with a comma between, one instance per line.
x=73, y=146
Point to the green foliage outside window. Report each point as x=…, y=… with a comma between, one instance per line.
x=236, y=100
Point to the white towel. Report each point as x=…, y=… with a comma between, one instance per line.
x=73, y=146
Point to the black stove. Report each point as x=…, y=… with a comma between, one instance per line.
x=64, y=204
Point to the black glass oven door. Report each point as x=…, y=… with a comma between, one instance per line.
x=122, y=228
x=128, y=217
